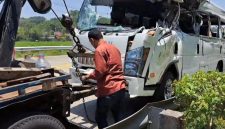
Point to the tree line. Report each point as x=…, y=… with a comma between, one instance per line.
x=39, y=28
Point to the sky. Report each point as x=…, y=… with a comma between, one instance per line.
x=60, y=9
x=57, y=5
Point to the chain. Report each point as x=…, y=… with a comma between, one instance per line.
x=78, y=73
x=80, y=49
x=78, y=45
x=67, y=23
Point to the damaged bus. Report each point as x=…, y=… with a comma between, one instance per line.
x=160, y=40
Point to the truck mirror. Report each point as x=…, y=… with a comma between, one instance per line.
x=40, y=6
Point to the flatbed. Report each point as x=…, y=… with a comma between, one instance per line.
x=39, y=92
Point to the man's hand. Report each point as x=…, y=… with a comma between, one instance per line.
x=84, y=77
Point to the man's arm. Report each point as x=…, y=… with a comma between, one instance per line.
x=100, y=67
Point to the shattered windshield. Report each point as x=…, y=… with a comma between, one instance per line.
x=117, y=15
x=92, y=15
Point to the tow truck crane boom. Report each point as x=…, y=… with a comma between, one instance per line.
x=9, y=20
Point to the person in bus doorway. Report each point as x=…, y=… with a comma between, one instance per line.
x=110, y=79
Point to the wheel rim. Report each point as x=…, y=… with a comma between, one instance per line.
x=168, y=92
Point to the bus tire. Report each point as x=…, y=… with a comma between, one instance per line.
x=219, y=67
x=165, y=90
x=38, y=122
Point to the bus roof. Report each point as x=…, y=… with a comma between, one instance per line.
x=201, y=5
x=210, y=8
x=110, y=2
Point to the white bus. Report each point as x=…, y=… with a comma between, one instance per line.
x=160, y=40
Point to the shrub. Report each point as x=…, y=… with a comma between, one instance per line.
x=202, y=98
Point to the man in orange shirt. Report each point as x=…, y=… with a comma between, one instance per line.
x=110, y=79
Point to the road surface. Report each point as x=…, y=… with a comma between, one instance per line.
x=62, y=62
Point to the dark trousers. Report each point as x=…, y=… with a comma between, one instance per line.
x=114, y=103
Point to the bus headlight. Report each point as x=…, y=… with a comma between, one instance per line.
x=135, y=61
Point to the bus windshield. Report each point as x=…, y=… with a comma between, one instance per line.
x=121, y=14
x=92, y=15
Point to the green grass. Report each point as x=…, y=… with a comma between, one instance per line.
x=43, y=43
x=36, y=53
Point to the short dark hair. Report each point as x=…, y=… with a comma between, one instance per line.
x=95, y=34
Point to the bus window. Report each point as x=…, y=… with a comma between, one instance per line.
x=214, y=29
x=186, y=23
x=204, y=29
x=223, y=29
x=223, y=32
x=210, y=26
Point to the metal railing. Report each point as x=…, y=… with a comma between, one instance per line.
x=43, y=48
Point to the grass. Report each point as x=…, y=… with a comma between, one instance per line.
x=36, y=53
x=42, y=43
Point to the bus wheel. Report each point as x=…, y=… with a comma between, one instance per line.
x=38, y=122
x=165, y=90
x=219, y=67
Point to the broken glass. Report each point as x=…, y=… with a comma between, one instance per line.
x=88, y=17
x=95, y=14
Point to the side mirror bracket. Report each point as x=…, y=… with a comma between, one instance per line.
x=41, y=6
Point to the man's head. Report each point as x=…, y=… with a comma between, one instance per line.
x=94, y=37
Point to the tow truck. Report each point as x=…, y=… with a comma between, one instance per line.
x=33, y=98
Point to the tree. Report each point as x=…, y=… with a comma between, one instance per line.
x=74, y=14
x=38, y=28
x=37, y=19
x=104, y=21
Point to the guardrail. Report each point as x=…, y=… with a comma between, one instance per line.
x=43, y=48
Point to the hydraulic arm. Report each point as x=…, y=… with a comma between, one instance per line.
x=9, y=22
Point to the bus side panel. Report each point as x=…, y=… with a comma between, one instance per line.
x=211, y=52
x=192, y=53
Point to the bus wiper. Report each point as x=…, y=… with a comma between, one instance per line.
x=87, y=29
x=116, y=29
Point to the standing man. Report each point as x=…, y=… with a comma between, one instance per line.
x=110, y=79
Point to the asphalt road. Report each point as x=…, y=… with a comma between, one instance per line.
x=62, y=62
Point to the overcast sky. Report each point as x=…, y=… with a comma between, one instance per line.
x=60, y=9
